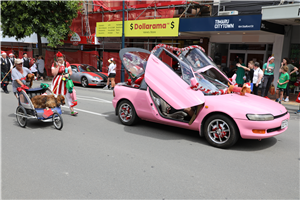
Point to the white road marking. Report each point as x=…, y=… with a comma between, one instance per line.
x=94, y=89
x=94, y=113
x=92, y=98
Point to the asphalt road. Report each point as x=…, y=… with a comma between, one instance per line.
x=94, y=156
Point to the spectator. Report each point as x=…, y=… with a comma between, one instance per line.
x=240, y=73
x=33, y=70
x=291, y=69
x=40, y=67
x=268, y=78
x=26, y=61
x=98, y=63
x=249, y=77
x=282, y=82
x=111, y=73
x=257, y=76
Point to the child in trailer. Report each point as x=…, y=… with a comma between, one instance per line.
x=59, y=86
x=282, y=83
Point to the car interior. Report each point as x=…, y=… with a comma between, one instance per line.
x=168, y=111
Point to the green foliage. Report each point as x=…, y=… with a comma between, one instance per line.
x=50, y=19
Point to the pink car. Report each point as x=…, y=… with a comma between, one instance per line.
x=163, y=88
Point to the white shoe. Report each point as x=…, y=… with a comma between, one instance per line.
x=106, y=87
x=287, y=100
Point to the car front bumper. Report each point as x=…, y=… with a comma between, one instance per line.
x=271, y=128
x=97, y=83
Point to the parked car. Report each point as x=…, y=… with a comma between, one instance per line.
x=87, y=75
x=165, y=94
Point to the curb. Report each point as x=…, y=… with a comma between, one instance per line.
x=291, y=103
x=294, y=103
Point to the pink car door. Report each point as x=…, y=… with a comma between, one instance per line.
x=174, y=89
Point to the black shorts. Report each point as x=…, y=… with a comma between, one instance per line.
x=281, y=89
x=112, y=75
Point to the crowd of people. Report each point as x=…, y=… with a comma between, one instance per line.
x=263, y=77
x=8, y=64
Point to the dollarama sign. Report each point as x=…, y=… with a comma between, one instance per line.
x=140, y=28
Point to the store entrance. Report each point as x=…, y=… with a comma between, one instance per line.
x=255, y=56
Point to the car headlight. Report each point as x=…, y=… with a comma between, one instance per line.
x=263, y=117
x=97, y=78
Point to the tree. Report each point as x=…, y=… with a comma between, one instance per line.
x=49, y=19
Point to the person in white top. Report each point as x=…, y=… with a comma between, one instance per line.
x=33, y=70
x=257, y=76
x=111, y=73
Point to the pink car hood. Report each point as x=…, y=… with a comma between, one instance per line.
x=248, y=104
x=169, y=86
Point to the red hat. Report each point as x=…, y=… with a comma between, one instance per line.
x=11, y=54
x=248, y=85
x=3, y=53
x=59, y=54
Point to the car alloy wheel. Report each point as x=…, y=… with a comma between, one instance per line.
x=84, y=82
x=220, y=131
x=126, y=113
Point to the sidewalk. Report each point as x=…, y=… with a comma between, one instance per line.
x=292, y=98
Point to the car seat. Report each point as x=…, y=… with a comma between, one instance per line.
x=176, y=115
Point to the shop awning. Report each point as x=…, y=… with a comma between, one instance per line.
x=282, y=14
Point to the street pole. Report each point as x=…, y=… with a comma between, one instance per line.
x=123, y=41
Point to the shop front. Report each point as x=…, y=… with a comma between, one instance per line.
x=289, y=16
x=232, y=37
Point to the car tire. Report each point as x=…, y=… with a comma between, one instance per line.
x=221, y=131
x=126, y=113
x=84, y=82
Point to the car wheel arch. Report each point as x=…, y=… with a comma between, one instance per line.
x=214, y=113
x=120, y=100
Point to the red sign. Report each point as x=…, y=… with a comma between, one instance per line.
x=224, y=59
